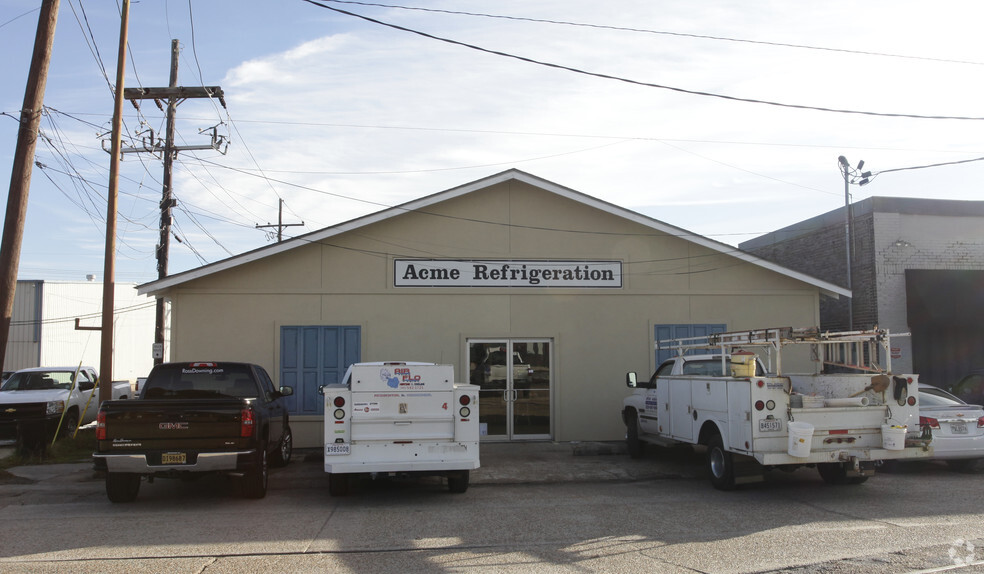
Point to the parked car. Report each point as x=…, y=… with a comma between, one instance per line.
x=958, y=427
x=970, y=387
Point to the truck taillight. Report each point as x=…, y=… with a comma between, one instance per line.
x=339, y=402
x=933, y=423
x=464, y=400
x=246, y=423
x=980, y=423
x=101, y=425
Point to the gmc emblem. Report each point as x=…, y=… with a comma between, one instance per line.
x=173, y=426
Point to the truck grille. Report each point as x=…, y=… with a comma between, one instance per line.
x=21, y=411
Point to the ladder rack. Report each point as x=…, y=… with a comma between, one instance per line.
x=859, y=350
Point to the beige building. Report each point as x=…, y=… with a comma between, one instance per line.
x=542, y=295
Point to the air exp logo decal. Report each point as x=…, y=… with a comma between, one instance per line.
x=401, y=378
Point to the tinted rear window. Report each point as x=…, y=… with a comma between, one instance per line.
x=187, y=381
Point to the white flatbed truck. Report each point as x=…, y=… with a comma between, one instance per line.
x=752, y=416
x=400, y=418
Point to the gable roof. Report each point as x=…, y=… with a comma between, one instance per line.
x=160, y=285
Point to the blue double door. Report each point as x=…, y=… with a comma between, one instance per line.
x=313, y=356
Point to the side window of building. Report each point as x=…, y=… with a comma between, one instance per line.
x=679, y=331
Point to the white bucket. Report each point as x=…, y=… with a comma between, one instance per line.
x=800, y=437
x=893, y=438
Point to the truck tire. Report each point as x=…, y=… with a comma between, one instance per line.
x=835, y=473
x=339, y=484
x=632, y=441
x=284, y=449
x=69, y=423
x=720, y=464
x=254, y=482
x=122, y=486
x=458, y=481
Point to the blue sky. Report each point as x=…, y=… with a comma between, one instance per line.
x=340, y=117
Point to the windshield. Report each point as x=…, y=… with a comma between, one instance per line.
x=187, y=381
x=39, y=380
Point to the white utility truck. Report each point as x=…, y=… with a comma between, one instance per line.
x=400, y=418
x=752, y=416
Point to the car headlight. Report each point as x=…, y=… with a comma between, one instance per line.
x=55, y=407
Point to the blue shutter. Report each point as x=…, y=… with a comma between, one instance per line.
x=664, y=332
x=314, y=356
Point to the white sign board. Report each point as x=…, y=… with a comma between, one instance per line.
x=507, y=273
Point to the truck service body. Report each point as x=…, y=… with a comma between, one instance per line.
x=400, y=418
x=752, y=416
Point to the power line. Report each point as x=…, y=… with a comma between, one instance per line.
x=662, y=33
x=641, y=83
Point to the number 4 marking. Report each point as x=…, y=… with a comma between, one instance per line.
x=445, y=406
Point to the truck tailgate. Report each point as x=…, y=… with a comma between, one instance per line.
x=175, y=423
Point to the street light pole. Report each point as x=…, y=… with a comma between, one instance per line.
x=845, y=169
x=855, y=176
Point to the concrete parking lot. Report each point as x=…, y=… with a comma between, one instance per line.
x=536, y=507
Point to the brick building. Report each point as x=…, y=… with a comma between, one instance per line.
x=917, y=266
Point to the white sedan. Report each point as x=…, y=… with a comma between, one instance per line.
x=958, y=428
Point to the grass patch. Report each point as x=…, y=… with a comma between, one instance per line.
x=68, y=449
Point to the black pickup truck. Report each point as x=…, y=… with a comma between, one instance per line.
x=195, y=418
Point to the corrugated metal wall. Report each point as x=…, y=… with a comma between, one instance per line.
x=24, y=340
x=43, y=327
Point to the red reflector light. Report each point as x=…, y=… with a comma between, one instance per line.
x=101, y=425
x=931, y=422
x=246, y=423
x=839, y=431
x=464, y=400
x=911, y=401
x=980, y=422
x=760, y=384
x=339, y=402
x=759, y=405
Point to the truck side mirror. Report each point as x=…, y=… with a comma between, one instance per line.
x=286, y=391
x=630, y=380
x=86, y=385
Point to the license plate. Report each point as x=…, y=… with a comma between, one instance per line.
x=333, y=449
x=958, y=428
x=770, y=425
x=174, y=458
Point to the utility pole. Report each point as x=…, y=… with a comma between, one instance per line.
x=109, y=262
x=280, y=223
x=20, y=173
x=174, y=95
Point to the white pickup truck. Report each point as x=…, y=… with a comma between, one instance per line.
x=751, y=416
x=400, y=418
x=45, y=400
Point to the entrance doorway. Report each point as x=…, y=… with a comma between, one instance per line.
x=514, y=377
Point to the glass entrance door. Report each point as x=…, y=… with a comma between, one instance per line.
x=514, y=376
